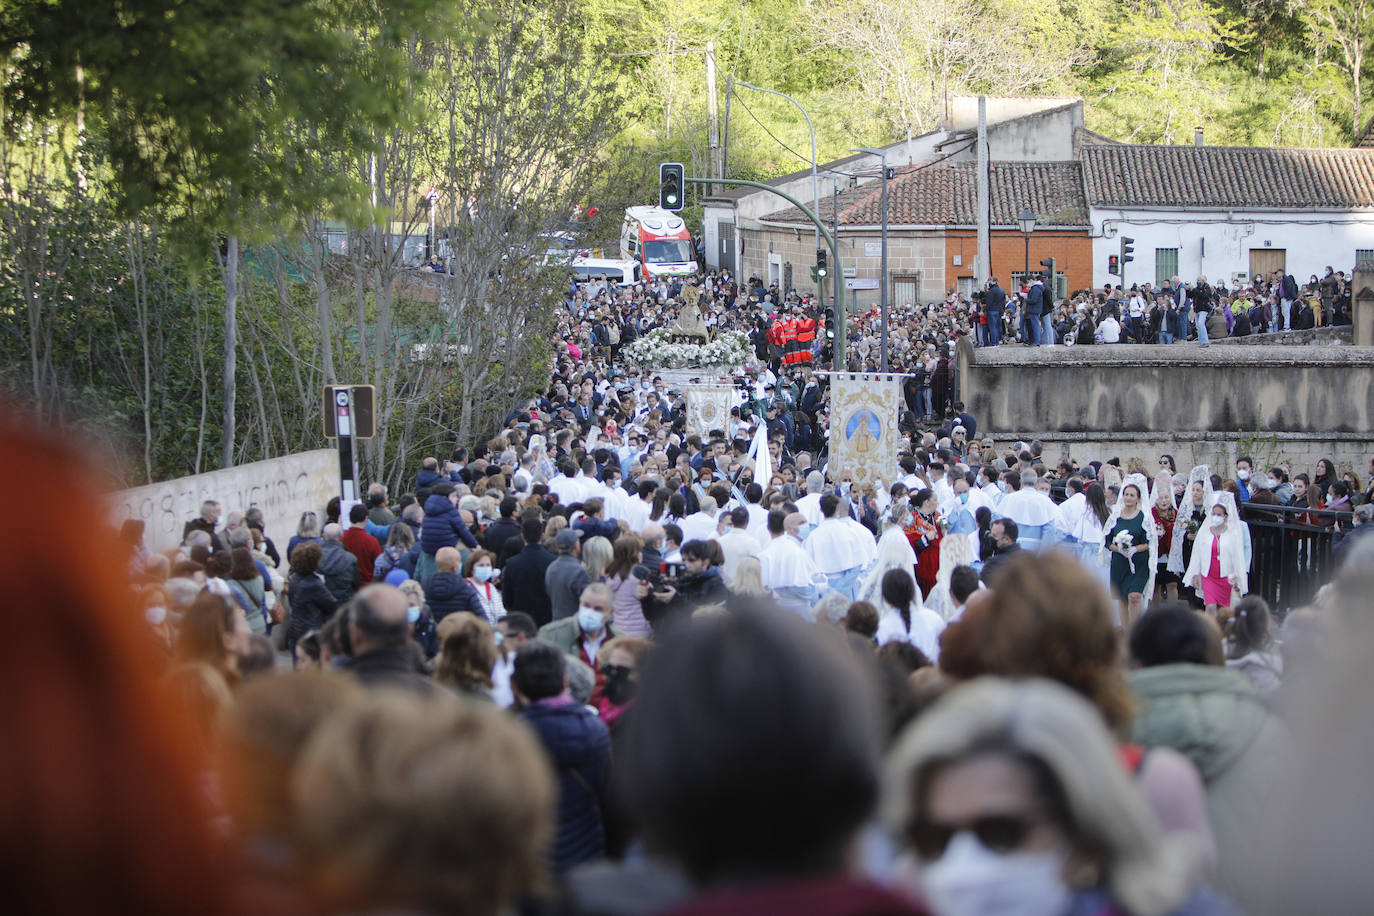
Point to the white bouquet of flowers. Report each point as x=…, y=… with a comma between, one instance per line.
x=1123, y=541
x=657, y=350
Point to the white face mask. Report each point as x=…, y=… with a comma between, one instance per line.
x=1217, y=521
x=1243, y=474
x=155, y=615
x=970, y=880
x=483, y=573
x=590, y=619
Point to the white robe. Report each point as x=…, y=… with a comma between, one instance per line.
x=840, y=544
x=786, y=564
x=926, y=627
x=810, y=506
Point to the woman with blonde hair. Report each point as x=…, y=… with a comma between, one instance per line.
x=467, y=653
x=555, y=524
x=596, y=556
x=748, y=581
x=1014, y=792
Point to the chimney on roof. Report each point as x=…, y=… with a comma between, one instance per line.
x=1197, y=136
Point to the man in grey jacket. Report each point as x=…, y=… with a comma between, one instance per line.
x=566, y=577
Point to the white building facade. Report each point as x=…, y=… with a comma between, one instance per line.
x=1228, y=213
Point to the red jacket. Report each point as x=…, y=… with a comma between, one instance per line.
x=365, y=547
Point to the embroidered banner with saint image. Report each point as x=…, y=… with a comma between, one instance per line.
x=863, y=427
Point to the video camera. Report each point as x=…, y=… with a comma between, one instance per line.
x=666, y=576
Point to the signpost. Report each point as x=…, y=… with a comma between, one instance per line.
x=431, y=243
x=349, y=415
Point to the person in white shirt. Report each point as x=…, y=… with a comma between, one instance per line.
x=786, y=568
x=565, y=485
x=840, y=547
x=908, y=620
x=1110, y=329
x=1035, y=514
x=810, y=504
x=700, y=525
x=636, y=509
x=736, y=543
x=758, y=516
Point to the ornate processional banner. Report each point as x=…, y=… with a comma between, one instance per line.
x=708, y=408
x=864, y=407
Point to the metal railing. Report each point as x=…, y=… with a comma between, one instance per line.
x=1291, y=552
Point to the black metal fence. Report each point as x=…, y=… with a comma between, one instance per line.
x=1291, y=552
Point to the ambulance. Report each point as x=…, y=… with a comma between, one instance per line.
x=659, y=242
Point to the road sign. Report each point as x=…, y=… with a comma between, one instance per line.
x=433, y=195
x=361, y=420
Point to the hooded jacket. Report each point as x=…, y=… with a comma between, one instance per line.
x=340, y=570
x=1214, y=717
x=579, y=745
x=443, y=526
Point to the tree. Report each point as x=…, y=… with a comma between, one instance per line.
x=1345, y=28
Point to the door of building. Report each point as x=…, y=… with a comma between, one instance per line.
x=906, y=290
x=1264, y=261
x=727, y=245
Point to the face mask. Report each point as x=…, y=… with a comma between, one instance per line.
x=413, y=614
x=970, y=880
x=1270, y=483
x=1216, y=521
x=155, y=615
x=619, y=689
x=963, y=498
x=590, y=619
x=498, y=636
x=1243, y=474
x=483, y=573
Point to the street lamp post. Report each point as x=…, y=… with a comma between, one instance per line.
x=882, y=155
x=1027, y=221
x=815, y=180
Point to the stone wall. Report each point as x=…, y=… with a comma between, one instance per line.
x=1298, y=403
x=1325, y=336
x=282, y=487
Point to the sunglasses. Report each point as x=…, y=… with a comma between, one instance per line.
x=1000, y=833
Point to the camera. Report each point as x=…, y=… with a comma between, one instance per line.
x=666, y=576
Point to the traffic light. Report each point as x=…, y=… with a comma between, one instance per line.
x=829, y=324
x=670, y=184
x=1127, y=249
x=1051, y=284
x=822, y=269
x=1114, y=265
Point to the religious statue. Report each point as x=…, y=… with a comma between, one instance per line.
x=689, y=323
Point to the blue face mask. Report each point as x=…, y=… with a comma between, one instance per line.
x=412, y=614
x=589, y=619
x=483, y=573
x=963, y=498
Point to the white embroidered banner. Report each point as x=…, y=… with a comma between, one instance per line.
x=708, y=408
x=863, y=427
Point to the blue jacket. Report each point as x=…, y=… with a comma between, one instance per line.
x=579, y=746
x=1035, y=299
x=426, y=479
x=448, y=593
x=443, y=526
x=597, y=528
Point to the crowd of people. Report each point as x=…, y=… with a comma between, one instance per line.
x=1175, y=312
x=599, y=664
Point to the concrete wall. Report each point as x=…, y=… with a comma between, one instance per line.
x=1180, y=392
x=1216, y=244
x=908, y=253
x=283, y=488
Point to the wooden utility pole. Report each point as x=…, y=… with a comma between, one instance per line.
x=713, y=115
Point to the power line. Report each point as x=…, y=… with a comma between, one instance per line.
x=806, y=159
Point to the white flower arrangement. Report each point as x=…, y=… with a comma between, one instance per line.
x=656, y=349
x=1123, y=541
